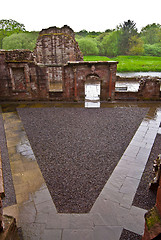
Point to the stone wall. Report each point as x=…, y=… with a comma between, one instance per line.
x=76, y=74
x=133, y=96
x=149, y=89
x=25, y=80
x=57, y=46
x=18, y=75
x=54, y=71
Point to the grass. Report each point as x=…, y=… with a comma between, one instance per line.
x=96, y=58
x=132, y=63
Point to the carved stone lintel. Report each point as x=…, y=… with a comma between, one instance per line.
x=93, y=69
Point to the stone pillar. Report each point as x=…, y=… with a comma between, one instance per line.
x=110, y=84
x=75, y=84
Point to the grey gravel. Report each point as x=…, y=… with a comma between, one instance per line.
x=77, y=149
x=144, y=197
x=128, y=235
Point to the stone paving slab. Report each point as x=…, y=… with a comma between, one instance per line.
x=35, y=211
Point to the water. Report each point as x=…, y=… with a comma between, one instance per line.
x=139, y=74
x=122, y=86
x=92, y=104
x=132, y=86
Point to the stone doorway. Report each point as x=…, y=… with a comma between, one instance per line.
x=92, y=94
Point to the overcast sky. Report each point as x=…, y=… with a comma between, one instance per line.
x=84, y=14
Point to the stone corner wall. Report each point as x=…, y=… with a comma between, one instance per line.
x=20, y=77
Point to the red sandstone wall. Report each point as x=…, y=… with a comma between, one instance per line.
x=149, y=89
x=57, y=46
x=76, y=74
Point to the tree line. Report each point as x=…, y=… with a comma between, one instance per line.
x=123, y=40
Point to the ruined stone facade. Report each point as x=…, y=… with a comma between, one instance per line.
x=54, y=71
x=149, y=88
x=57, y=46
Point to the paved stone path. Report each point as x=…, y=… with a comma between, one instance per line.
x=35, y=211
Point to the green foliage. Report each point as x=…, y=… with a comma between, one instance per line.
x=84, y=33
x=152, y=218
x=124, y=40
x=126, y=30
x=136, y=46
x=25, y=40
x=88, y=46
x=152, y=49
x=8, y=27
x=110, y=44
x=151, y=34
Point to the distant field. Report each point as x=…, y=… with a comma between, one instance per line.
x=96, y=58
x=132, y=63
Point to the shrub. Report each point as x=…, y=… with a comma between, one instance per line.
x=152, y=49
x=88, y=46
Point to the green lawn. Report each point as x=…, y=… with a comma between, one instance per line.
x=96, y=58
x=132, y=63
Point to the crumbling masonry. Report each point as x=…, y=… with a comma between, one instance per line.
x=54, y=71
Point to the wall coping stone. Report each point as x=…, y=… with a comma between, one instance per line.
x=91, y=62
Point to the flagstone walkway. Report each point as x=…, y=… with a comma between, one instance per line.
x=112, y=212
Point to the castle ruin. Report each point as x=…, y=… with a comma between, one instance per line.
x=55, y=70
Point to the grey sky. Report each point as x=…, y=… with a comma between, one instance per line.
x=85, y=14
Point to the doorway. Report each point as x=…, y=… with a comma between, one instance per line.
x=92, y=94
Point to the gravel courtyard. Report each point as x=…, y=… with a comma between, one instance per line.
x=77, y=149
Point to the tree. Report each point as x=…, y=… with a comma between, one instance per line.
x=110, y=44
x=151, y=34
x=25, y=40
x=82, y=33
x=126, y=31
x=152, y=49
x=88, y=46
x=8, y=27
x=136, y=46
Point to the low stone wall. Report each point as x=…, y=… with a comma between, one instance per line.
x=149, y=89
x=127, y=96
